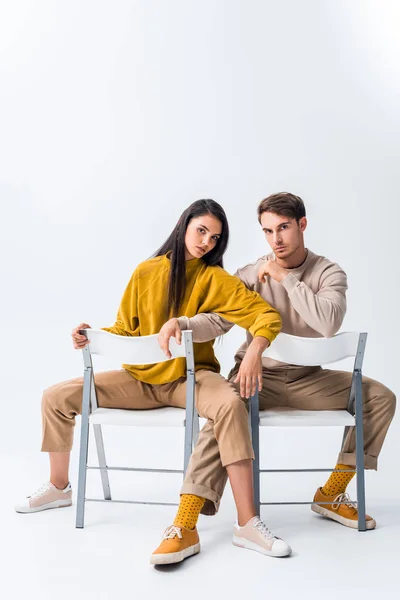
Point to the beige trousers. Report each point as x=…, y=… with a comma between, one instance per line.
x=306, y=388
x=216, y=400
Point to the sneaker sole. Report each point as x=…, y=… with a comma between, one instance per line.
x=48, y=506
x=243, y=543
x=174, y=557
x=325, y=512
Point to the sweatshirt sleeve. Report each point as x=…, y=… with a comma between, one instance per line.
x=227, y=296
x=208, y=326
x=323, y=311
x=127, y=322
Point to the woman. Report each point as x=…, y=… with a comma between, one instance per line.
x=185, y=277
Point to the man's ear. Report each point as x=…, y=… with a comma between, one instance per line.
x=303, y=224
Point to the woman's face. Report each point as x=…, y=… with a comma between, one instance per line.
x=202, y=235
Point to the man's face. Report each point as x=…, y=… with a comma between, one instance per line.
x=284, y=234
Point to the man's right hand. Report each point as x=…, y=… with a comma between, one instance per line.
x=249, y=375
x=79, y=341
x=170, y=329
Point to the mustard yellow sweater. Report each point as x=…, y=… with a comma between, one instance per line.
x=208, y=289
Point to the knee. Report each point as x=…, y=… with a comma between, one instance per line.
x=386, y=399
x=50, y=399
x=233, y=408
x=60, y=397
x=391, y=401
x=236, y=384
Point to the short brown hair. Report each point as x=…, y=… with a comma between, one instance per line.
x=283, y=203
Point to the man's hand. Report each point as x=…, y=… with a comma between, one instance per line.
x=79, y=341
x=250, y=372
x=271, y=268
x=170, y=329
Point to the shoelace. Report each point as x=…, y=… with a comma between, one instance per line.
x=345, y=498
x=263, y=529
x=42, y=490
x=171, y=532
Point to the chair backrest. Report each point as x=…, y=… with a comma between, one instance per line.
x=131, y=350
x=300, y=351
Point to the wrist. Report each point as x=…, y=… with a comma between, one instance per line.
x=183, y=323
x=259, y=344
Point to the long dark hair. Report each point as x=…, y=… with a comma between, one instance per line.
x=175, y=244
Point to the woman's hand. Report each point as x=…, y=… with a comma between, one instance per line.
x=170, y=329
x=250, y=372
x=79, y=341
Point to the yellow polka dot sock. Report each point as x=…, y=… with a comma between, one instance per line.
x=188, y=511
x=337, y=482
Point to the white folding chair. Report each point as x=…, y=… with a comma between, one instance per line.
x=312, y=352
x=132, y=351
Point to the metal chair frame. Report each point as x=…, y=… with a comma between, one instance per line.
x=89, y=404
x=355, y=406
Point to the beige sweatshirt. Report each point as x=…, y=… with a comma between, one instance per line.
x=311, y=301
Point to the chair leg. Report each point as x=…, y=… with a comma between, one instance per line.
x=102, y=461
x=360, y=453
x=255, y=436
x=83, y=452
x=190, y=393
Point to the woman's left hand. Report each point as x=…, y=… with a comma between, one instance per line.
x=170, y=329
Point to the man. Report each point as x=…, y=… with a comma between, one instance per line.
x=309, y=291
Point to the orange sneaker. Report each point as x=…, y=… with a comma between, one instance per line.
x=177, y=544
x=346, y=514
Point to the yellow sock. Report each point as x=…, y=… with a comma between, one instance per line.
x=188, y=511
x=337, y=482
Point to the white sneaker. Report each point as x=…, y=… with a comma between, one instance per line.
x=255, y=535
x=47, y=496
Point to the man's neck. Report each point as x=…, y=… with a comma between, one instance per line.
x=295, y=260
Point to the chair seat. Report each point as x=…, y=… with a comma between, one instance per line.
x=167, y=416
x=284, y=416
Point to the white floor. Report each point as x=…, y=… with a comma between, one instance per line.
x=44, y=556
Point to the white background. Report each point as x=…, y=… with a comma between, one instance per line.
x=117, y=115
